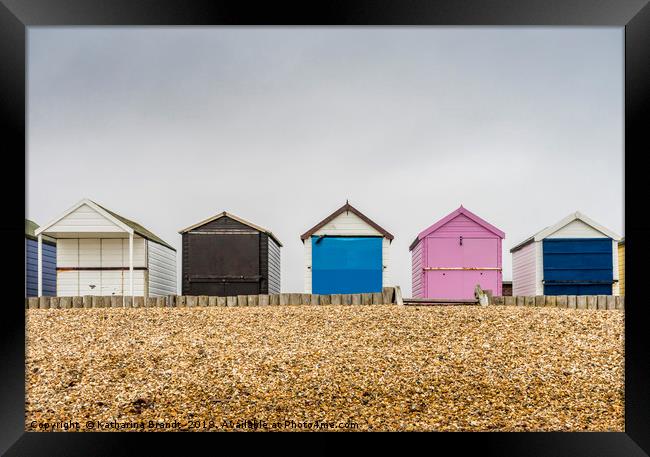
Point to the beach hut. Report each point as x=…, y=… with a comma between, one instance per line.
x=226, y=255
x=346, y=253
x=621, y=266
x=31, y=262
x=102, y=253
x=576, y=256
x=452, y=256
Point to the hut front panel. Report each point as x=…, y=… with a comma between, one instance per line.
x=221, y=263
x=162, y=269
x=417, y=264
x=347, y=224
x=621, y=268
x=346, y=264
x=273, y=266
x=99, y=266
x=578, y=266
x=31, y=268
x=524, y=270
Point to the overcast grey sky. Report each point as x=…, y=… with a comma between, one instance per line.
x=280, y=126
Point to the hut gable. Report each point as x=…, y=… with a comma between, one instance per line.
x=460, y=222
x=347, y=220
x=225, y=222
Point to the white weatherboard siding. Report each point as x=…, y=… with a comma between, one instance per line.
x=162, y=270
x=577, y=229
x=539, y=267
x=347, y=224
x=524, y=271
x=85, y=219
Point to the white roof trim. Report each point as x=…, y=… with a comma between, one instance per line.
x=94, y=206
x=570, y=218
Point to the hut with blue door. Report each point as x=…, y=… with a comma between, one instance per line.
x=576, y=256
x=31, y=262
x=346, y=253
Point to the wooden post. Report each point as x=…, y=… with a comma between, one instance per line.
x=325, y=299
x=377, y=298
x=611, y=302
x=54, y=302
x=212, y=301
x=572, y=302
x=294, y=299
x=305, y=299
x=499, y=301
x=161, y=302
x=66, y=302
x=315, y=299
x=77, y=302
x=138, y=302
x=592, y=302
x=263, y=300
x=620, y=301
x=601, y=302
x=509, y=300
x=152, y=302
x=366, y=299
x=192, y=301
x=387, y=295
x=520, y=300
x=346, y=299
x=539, y=300
x=398, y=296
x=561, y=301
x=96, y=301
x=43, y=302
x=128, y=301
x=221, y=301
x=181, y=301
x=274, y=299
x=116, y=301
x=253, y=300
x=33, y=302
x=581, y=302
x=231, y=301
x=550, y=300
x=356, y=299
x=242, y=300
x=529, y=300
x=336, y=299
x=203, y=300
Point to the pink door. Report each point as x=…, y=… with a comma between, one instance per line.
x=450, y=253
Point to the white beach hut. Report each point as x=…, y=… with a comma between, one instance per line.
x=102, y=253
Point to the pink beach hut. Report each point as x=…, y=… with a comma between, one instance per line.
x=455, y=254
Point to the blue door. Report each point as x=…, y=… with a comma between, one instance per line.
x=346, y=265
x=578, y=266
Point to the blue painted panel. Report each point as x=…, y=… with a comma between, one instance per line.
x=578, y=266
x=346, y=265
x=31, y=268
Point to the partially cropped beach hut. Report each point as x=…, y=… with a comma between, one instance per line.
x=100, y=252
x=226, y=255
x=575, y=256
x=31, y=262
x=452, y=256
x=621, y=267
x=346, y=253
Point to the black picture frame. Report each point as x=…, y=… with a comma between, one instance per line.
x=634, y=15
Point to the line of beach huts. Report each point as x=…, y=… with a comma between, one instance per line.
x=91, y=250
